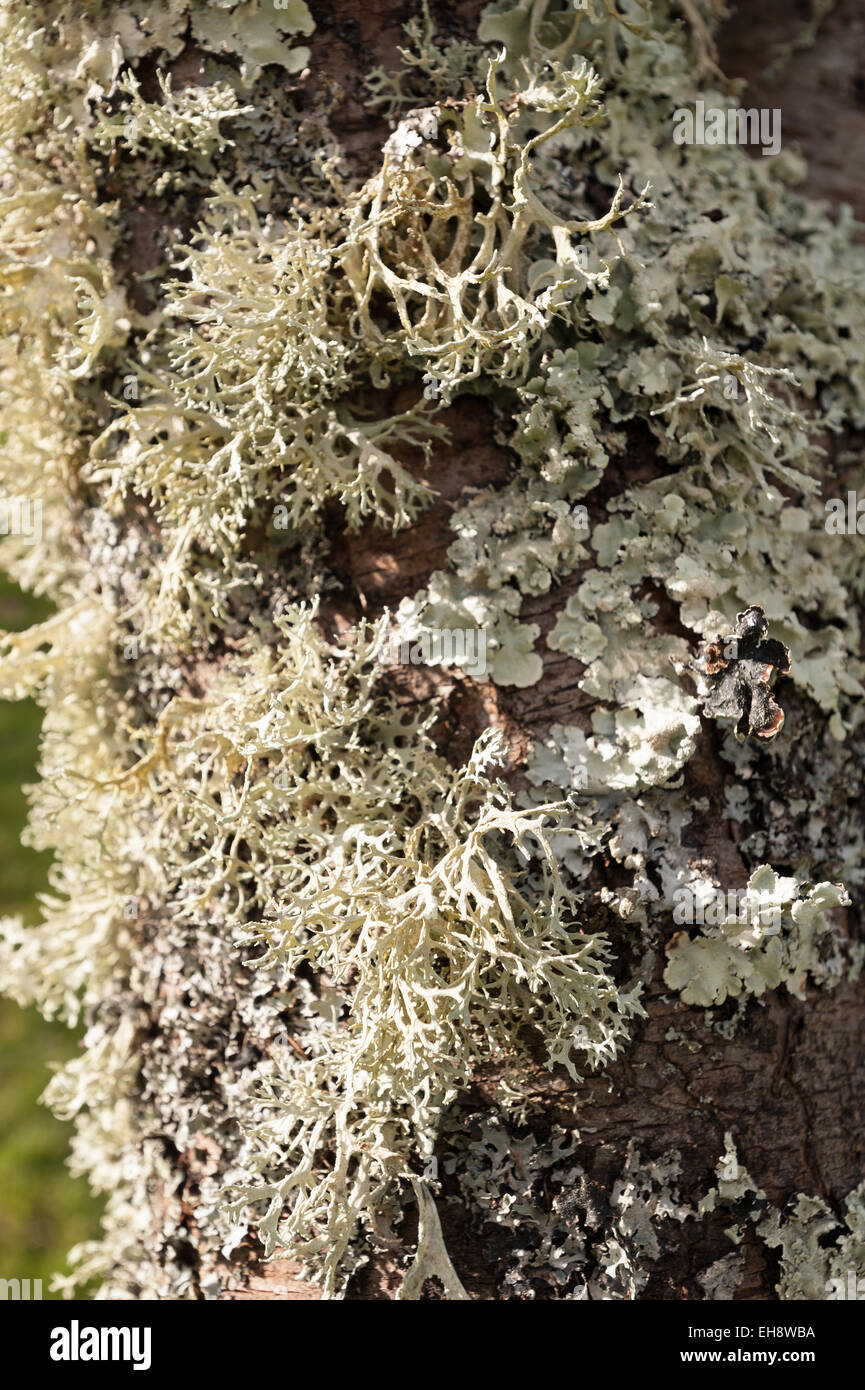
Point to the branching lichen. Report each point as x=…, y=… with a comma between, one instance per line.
x=266, y=874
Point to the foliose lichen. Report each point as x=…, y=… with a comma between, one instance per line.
x=258, y=856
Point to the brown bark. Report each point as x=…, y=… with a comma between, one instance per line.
x=791, y=1082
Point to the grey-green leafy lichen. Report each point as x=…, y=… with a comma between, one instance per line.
x=258, y=856
x=772, y=938
x=821, y=1254
x=583, y=1242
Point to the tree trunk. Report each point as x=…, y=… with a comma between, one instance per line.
x=721, y=1108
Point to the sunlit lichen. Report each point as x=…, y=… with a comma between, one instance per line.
x=262, y=867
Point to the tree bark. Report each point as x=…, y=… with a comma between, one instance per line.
x=789, y=1082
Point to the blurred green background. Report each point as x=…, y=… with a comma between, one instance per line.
x=43, y=1209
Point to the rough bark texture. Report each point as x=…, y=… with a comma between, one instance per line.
x=791, y=1082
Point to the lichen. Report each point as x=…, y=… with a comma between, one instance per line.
x=748, y=953
x=812, y=1266
x=260, y=859
x=569, y=1237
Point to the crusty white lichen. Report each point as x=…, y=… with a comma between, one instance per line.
x=570, y=1237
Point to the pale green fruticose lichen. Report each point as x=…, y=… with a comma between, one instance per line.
x=189, y=121
x=256, y=858
x=292, y=787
